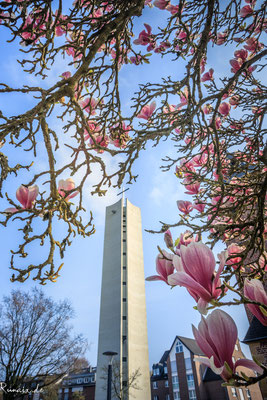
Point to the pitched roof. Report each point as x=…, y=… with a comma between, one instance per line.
x=256, y=331
x=164, y=357
x=191, y=344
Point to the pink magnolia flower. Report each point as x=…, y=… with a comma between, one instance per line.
x=253, y=45
x=100, y=139
x=245, y=11
x=144, y=37
x=196, y=271
x=207, y=108
x=147, y=111
x=164, y=268
x=182, y=35
x=241, y=54
x=233, y=251
x=208, y=76
x=234, y=100
x=27, y=195
x=221, y=38
x=168, y=239
x=89, y=105
x=199, y=206
x=185, y=206
x=191, y=188
x=254, y=290
x=216, y=336
x=218, y=123
x=172, y=9
x=202, y=64
x=183, y=98
x=161, y=4
x=236, y=65
x=185, y=239
x=64, y=186
x=66, y=75
x=200, y=159
x=92, y=129
x=224, y=109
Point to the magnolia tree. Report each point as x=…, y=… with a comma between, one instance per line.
x=216, y=122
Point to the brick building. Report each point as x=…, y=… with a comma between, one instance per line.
x=80, y=383
x=180, y=376
x=256, y=338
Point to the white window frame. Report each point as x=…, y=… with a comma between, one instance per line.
x=179, y=347
x=155, y=385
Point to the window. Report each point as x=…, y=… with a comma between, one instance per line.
x=93, y=378
x=167, y=397
x=124, y=383
x=124, y=299
x=188, y=364
x=179, y=347
x=124, y=359
x=190, y=381
x=192, y=395
x=124, y=240
x=155, y=385
x=233, y=390
x=175, y=382
x=155, y=397
x=79, y=380
x=124, y=318
x=124, y=267
x=173, y=366
x=248, y=394
x=124, y=283
x=124, y=338
x=166, y=383
x=124, y=254
x=176, y=396
x=165, y=370
x=66, y=395
x=86, y=380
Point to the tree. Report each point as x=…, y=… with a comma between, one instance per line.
x=120, y=387
x=36, y=341
x=215, y=119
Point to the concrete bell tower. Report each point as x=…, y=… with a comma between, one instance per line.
x=123, y=323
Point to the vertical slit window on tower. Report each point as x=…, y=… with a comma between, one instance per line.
x=124, y=359
x=124, y=267
x=124, y=283
x=124, y=318
x=124, y=299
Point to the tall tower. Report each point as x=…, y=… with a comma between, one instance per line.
x=123, y=324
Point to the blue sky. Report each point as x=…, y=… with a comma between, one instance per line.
x=169, y=312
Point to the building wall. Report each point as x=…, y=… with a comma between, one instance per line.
x=162, y=391
x=259, y=350
x=136, y=303
x=109, y=337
